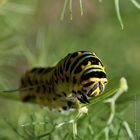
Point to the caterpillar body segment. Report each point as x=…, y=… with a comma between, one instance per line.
x=76, y=78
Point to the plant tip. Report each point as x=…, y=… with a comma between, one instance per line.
x=83, y=110
x=123, y=84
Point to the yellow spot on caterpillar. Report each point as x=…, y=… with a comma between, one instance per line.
x=82, y=66
x=102, y=67
x=79, y=53
x=89, y=63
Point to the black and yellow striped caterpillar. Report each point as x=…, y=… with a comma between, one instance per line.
x=74, y=80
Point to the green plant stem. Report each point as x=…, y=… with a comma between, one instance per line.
x=81, y=112
x=136, y=4
x=70, y=8
x=81, y=7
x=112, y=100
x=123, y=88
x=126, y=126
x=64, y=9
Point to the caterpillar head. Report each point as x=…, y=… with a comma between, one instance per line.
x=92, y=89
x=97, y=87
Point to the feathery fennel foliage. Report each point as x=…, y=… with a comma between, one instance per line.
x=117, y=8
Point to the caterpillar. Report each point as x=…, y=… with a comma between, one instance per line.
x=74, y=80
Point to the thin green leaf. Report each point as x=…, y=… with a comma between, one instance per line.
x=14, y=96
x=136, y=4
x=118, y=13
x=101, y=97
x=70, y=8
x=64, y=8
x=81, y=7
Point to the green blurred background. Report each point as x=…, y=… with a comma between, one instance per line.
x=32, y=34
